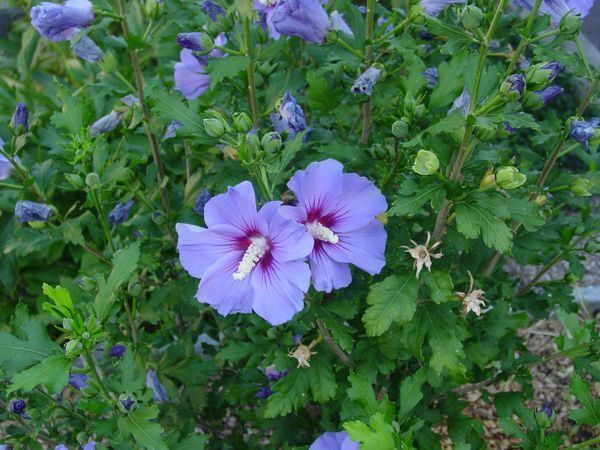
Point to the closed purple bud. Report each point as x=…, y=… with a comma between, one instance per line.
x=435, y=7
x=203, y=197
x=127, y=403
x=87, y=49
x=26, y=211
x=514, y=85
x=117, y=351
x=273, y=374
x=152, y=382
x=105, y=124
x=337, y=23
x=461, y=103
x=18, y=406
x=191, y=41
x=362, y=9
x=171, y=130
x=426, y=36
x=20, y=118
x=431, y=74
x=306, y=19
x=582, y=131
x=214, y=10
x=508, y=127
x=78, y=380
x=297, y=339
x=120, y=213
x=538, y=99
x=130, y=100
x=61, y=22
x=364, y=84
x=555, y=68
x=547, y=409
x=290, y=117
x=265, y=392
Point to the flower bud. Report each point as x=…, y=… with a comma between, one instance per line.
x=153, y=8
x=545, y=416
x=471, y=17
x=509, y=177
x=73, y=348
x=86, y=283
x=489, y=180
x=92, y=180
x=242, y=122
x=584, y=131
x=541, y=200
x=134, y=288
x=539, y=99
x=426, y=163
x=581, y=187
x=570, y=24
x=117, y=351
x=18, y=406
x=571, y=278
x=20, y=118
x=419, y=110
x=214, y=127
x=539, y=75
x=512, y=88
x=271, y=142
x=126, y=402
x=592, y=246
x=400, y=129
x=67, y=324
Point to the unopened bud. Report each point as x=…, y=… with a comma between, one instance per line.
x=509, y=177
x=513, y=86
x=426, y=163
x=400, y=129
x=581, y=187
x=271, y=142
x=539, y=75
x=489, y=180
x=20, y=119
x=214, y=127
x=92, y=180
x=153, y=8
x=242, y=122
x=571, y=24
x=471, y=17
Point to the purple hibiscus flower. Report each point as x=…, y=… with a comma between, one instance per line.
x=306, y=19
x=247, y=260
x=338, y=209
x=334, y=441
x=61, y=22
x=26, y=211
x=557, y=9
x=190, y=76
x=435, y=7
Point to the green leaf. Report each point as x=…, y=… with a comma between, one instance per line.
x=526, y=212
x=52, y=372
x=171, y=107
x=321, y=378
x=450, y=81
x=124, y=264
x=322, y=94
x=339, y=330
x=414, y=196
x=289, y=393
x=63, y=305
x=16, y=354
x=71, y=117
x=392, y=300
x=520, y=120
x=235, y=351
x=290, y=150
x=410, y=392
x=361, y=391
x=142, y=425
x=590, y=413
x=473, y=220
x=220, y=69
x=440, y=285
x=193, y=442
x=447, y=349
x=448, y=124
x=378, y=436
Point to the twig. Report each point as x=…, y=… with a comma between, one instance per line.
x=345, y=359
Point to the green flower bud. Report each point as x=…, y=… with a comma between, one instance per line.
x=134, y=288
x=545, y=416
x=539, y=75
x=86, y=283
x=489, y=180
x=509, y=177
x=242, y=122
x=571, y=278
x=92, y=180
x=108, y=63
x=73, y=348
x=214, y=127
x=67, y=324
x=471, y=17
x=419, y=111
x=400, y=129
x=541, y=200
x=331, y=36
x=152, y=8
x=581, y=187
x=592, y=246
x=271, y=142
x=570, y=24
x=126, y=402
x=426, y=163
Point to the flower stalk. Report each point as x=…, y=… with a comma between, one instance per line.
x=526, y=37
x=250, y=73
x=366, y=106
x=94, y=371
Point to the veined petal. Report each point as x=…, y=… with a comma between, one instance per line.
x=279, y=289
x=199, y=248
x=319, y=186
x=236, y=207
x=295, y=213
x=290, y=241
x=328, y=274
x=358, y=205
x=365, y=248
x=220, y=290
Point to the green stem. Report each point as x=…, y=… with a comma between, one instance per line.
x=92, y=366
x=110, y=14
x=588, y=70
x=542, y=36
x=102, y=219
x=250, y=73
x=366, y=106
x=587, y=444
x=348, y=47
x=63, y=407
x=345, y=359
x=131, y=320
x=393, y=31
x=229, y=51
x=525, y=39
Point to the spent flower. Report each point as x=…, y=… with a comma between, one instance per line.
x=435, y=7
x=203, y=198
x=120, y=213
x=290, y=117
x=87, y=49
x=337, y=23
x=106, y=123
x=422, y=253
x=213, y=9
x=473, y=300
x=583, y=131
x=431, y=75
x=159, y=391
x=26, y=211
x=365, y=83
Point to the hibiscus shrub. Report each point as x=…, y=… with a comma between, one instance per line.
x=285, y=224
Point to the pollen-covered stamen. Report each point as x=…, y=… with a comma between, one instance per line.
x=322, y=233
x=256, y=250
x=267, y=2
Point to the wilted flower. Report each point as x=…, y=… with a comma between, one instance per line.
x=18, y=406
x=334, y=441
x=61, y=22
x=435, y=7
x=190, y=76
x=514, y=85
x=306, y=19
x=423, y=253
x=152, y=382
x=26, y=211
x=78, y=380
x=172, y=128
x=461, y=103
x=431, y=74
x=87, y=49
x=247, y=260
x=473, y=300
x=302, y=354
x=290, y=117
x=214, y=10
x=338, y=210
x=105, y=124
x=557, y=9
x=509, y=177
x=582, y=131
x=130, y=100
x=117, y=351
x=539, y=99
x=20, y=118
x=364, y=84
x=203, y=197
x=120, y=213
x=337, y=23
